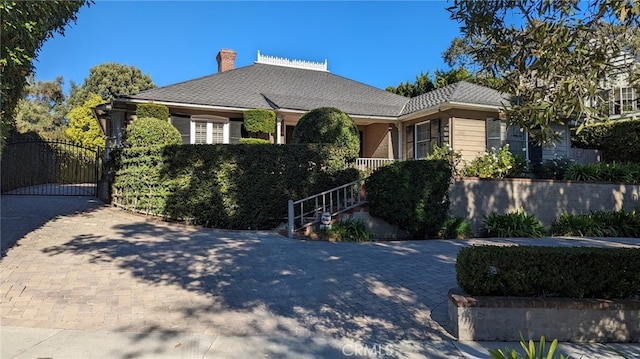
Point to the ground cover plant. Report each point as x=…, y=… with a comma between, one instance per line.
x=455, y=227
x=349, y=230
x=598, y=224
x=513, y=224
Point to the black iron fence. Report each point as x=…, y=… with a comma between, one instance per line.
x=50, y=168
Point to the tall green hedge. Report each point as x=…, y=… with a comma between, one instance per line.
x=620, y=140
x=153, y=110
x=224, y=186
x=412, y=195
x=138, y=184
x=529, y=271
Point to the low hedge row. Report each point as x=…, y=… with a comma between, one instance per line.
x=528, y=271
x=223, y=186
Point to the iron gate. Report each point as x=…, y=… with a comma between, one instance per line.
x=50, y=168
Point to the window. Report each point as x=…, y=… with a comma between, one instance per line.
x=495, y=135
x=200, y=134
x=203, y=132
x=427, y=135
x=423, y=139
x=627, y=95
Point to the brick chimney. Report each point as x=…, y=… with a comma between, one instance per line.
x=226, y=60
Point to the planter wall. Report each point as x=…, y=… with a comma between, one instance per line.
x=568, y=320
x=473, y=198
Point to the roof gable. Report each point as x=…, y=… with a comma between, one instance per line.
x=460, y=93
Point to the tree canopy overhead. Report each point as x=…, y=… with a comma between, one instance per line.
x=26, y=25
x=110, y=80
x=551, y=54
x=42, y=109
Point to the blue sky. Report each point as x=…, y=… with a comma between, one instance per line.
x=374, y=42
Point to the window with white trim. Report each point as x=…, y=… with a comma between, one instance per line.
x=627, y=95
x=209, y=132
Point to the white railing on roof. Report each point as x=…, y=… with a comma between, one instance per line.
x=368, y=165
x=283, y=61
x=307, y=211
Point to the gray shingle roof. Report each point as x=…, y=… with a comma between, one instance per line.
x=459, y=92
x=260, y=85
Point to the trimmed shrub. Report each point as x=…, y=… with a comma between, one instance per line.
x=496, y=164
x=598, y=224
x=152, y=110
x=528, y=271
x=412, y=195
x=513, y=224
x=260, y=120
x=151, y=132
x=332, y=126
x=620, y=140
x=254, y=141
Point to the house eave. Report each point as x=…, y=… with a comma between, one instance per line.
x=448, y=106
x=183, y=105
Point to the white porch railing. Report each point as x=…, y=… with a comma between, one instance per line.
x=307, y=211
x=368, y=165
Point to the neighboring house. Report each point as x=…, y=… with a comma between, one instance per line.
x=618, y=98
x=210, y=110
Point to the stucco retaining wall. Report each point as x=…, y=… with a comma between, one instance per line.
x=569, y=320
x=472, y=198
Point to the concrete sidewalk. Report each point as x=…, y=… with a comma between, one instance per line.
x=59, y=343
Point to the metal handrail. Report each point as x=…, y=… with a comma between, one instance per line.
x=333, y=201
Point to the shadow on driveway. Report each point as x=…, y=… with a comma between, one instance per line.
x=24, y=214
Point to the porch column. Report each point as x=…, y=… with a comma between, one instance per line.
x=400, y=140
x=278, y=131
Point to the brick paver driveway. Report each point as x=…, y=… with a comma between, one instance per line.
x=103, y=269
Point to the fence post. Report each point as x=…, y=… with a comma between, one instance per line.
x=290, y=219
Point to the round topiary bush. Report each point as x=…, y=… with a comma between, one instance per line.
x=332, y=126
x=147, y=132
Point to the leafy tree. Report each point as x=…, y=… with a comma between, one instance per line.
x=423, y=84
x=110, y=80
x=83, y=127
x=552, y=59
x=26, y=25
x=42, y=109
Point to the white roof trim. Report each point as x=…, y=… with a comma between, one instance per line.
x=447, y=106
x=283, y=61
